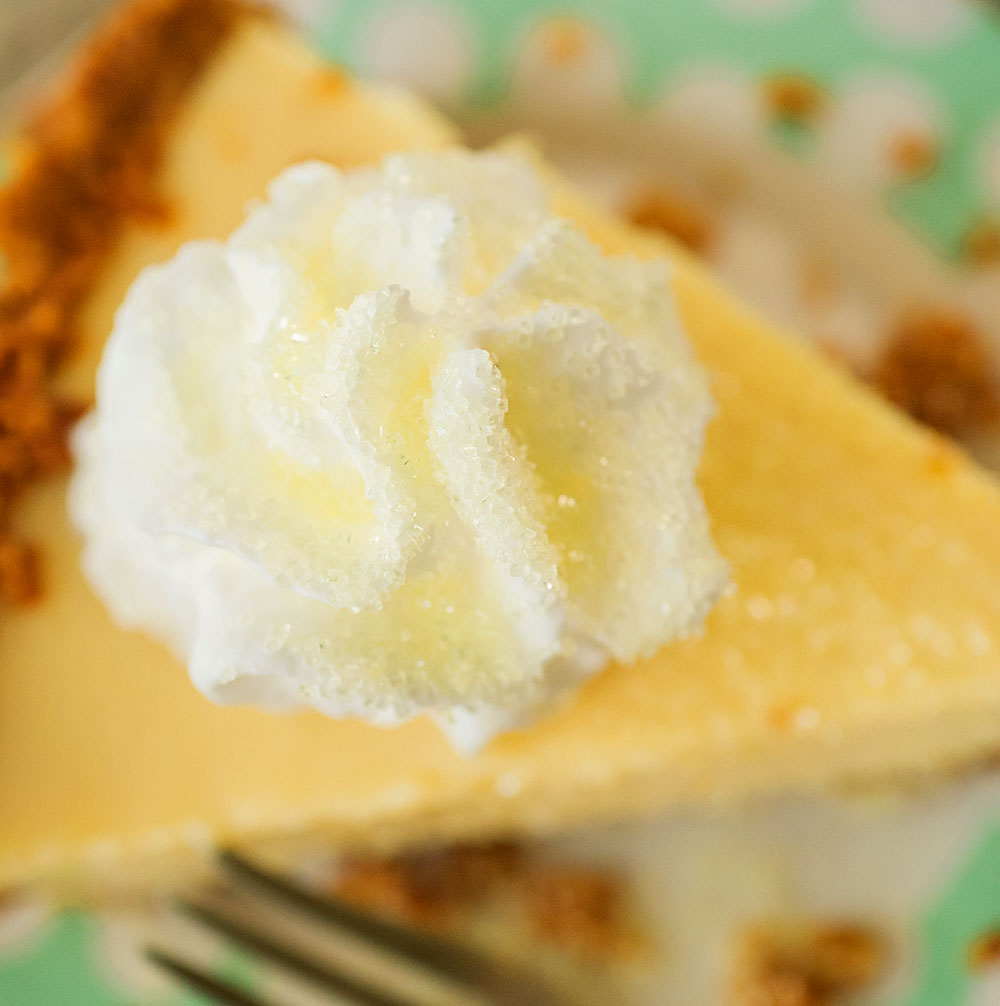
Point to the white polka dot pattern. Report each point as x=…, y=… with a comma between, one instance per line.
x=568, y=65
x=871, y=124
x=119, y=954
x=23, y=921
x=428, y=47
x=720, y=97
x=915, y=22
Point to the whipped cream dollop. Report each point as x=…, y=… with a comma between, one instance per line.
x=405, y=443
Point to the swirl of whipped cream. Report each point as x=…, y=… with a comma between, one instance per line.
x=405, y=443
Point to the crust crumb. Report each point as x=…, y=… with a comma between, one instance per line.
x=387, y=887
x=805, y=965
x=937, y=368
x=985, y=951
x=981, y=244
x=85, y=162
x=580, y=910
x=428, y=888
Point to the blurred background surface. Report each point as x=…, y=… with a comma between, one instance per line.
x=29, y=29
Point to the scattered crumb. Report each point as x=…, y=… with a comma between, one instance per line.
x=793, y=97
x=781, y=988
x=429, y=887
x=981, y=244
x=845, y=957
x=580, y=909
x=805, y=965
x=83, y=164
x=386, y=887
x=913, y=154
x=937, y=368
x=660, y=208
x=985, y=951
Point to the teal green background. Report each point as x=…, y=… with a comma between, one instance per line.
x=825, y=39
x=61, y=971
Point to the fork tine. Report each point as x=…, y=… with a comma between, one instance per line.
x=200, y=981
x=484, y=976
x=444, y=956
x=284, y=955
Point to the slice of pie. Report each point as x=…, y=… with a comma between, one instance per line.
x=862, y=639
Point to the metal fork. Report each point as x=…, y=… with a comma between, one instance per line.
x=327, y=950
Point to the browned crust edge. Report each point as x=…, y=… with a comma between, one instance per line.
x=85, y=163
